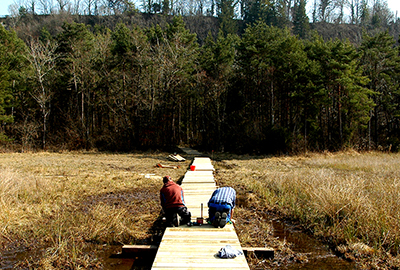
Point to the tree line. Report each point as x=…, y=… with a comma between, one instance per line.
x=265, y=91
x=331, y=11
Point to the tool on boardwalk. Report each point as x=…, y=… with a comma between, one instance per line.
x=200, y=219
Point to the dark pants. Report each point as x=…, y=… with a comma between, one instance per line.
x=213, y=207
x=181, y=211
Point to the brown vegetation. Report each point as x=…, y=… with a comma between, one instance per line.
x=349, y=200
x=59, y=208
x=63, y=205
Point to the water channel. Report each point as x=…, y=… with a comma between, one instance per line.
x=319, y=256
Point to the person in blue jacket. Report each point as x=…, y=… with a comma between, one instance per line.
x=221, y=205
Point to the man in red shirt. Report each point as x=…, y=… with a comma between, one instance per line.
x=173, y=203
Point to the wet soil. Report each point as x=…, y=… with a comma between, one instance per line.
x=315, y=254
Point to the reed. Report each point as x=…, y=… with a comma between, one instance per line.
x=61, y=206
x=350, y=199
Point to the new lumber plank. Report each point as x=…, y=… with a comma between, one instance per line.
x=196, y=247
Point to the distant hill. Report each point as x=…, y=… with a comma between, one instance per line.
x=351, y=32
x=201, y=25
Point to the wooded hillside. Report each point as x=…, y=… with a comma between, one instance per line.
x=132, y=81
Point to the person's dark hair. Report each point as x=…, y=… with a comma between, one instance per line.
x=166, y=179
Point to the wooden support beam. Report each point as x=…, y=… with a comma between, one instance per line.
x=139, y=250
x=151, y=250
x=259, y=252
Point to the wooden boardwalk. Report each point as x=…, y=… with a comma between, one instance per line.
x=196, y=247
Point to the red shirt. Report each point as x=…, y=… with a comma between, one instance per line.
x=171, y=195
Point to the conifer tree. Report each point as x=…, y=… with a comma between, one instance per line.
x=344, y=102
x=13, y=63
x=301, y=25
x=216, y=59
x=226, y=14
x=380, y=62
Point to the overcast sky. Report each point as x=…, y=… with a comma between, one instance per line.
x=394, y=5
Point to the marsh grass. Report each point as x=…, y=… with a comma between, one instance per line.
x=351, y=200
x=58, y=207
x=62, y=205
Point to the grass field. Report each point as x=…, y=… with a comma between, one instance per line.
x=60, y=205
x=349, y=200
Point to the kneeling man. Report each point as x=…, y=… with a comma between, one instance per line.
x=173, y=203
x=221, y=205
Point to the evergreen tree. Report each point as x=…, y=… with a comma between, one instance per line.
x=12, y=67
x=251, y=11
x=129, y=93
x=216, y=59
x=226, y=14
x=301, y=25
x=380, y=62
x=345, y=102
x=75, y=45
x=269, y=62
x=271, y=12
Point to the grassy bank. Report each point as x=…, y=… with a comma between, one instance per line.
x=59, y=206
x=350, y=200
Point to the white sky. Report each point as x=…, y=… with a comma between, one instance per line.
x=394, y=5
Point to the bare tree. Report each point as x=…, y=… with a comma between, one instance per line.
x=340, y=6
x=326, y=9
x=76, y=7
x=90, y=7
x=381, y=14
x=42, y=59
x=45, y=6
x=353, y=7
x=62, y=5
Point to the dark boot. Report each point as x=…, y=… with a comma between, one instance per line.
x=175, y=220
x=222, y=221
x=217, y=219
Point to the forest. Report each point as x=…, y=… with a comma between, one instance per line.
x=242, y=76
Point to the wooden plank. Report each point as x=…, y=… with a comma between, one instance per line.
x=199, y=173
x=203, y=164
x=196, y=247
x=198, y=180
x=176, y=158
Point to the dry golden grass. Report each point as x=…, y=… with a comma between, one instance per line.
x=62, y=203
x=350, y=199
